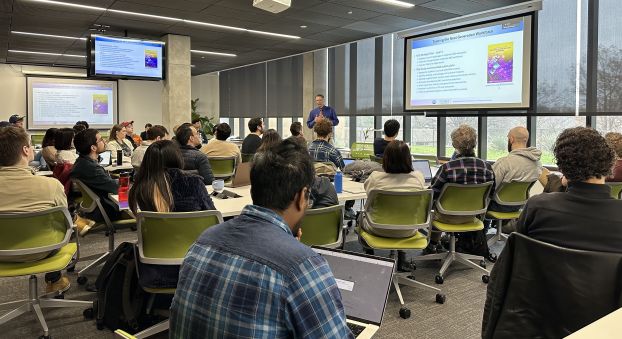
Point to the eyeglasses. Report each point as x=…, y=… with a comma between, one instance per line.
x=99, y=140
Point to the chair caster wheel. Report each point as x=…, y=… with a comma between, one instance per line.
x=492, y=257
x=485, y=279
x=88, y=313
x=482, y=263
x=100, y=325
x=45, y=337
x=439, y=279
x=411, y=277
x=440, y=298
x=133, y=228
x=82, y=280
x=71, y=268
x=59, y=296
x=404, y=313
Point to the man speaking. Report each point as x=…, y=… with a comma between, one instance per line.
x=322, y=112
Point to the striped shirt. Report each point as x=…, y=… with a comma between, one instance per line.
x=463, y=170
x=323, y=151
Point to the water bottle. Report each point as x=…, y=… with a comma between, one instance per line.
x=338, y=181
x=119, y=157
x=124, y=186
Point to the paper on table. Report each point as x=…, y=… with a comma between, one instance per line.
x=345, y=285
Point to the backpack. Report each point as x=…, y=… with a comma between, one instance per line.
x=121, y=302
x=474, y=243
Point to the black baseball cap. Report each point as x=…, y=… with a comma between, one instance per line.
x=15, y=118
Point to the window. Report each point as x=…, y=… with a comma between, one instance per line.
x=342, y=132
x=246, y=130
x=271, y=123
x=400, y=119
x=606, y=124
x=235, y=128
x=609, y=79
x=365, y=129
x=547, y=130
x=497, y=133
x=452, y=124
x=286, y=122
x=423, y=135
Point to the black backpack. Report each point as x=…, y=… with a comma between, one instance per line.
x=121, y=302
x=474, y=243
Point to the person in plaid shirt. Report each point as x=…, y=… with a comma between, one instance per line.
x=321, y=149
x=250, y=277
x=465, y=169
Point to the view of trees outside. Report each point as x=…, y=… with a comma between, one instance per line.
x=285, y=133
x=363, y=126
x=452, y=123
x=423, y=138
x=497, y=135
x=342, y=132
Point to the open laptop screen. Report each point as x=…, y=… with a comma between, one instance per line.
x=347, y=161
x=423, y=166
x=363, y=281
x=105, y=158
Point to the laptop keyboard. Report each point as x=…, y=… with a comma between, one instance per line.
x=356, y=329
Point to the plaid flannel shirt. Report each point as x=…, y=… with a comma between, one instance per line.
x=222, y=294
x=321, y=150
x=463, y=170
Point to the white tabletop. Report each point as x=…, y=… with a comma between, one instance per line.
x=232, y=207
x=607, y=327
x=44, y=173
x=124, y=167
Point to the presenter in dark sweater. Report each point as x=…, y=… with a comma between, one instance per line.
x=391, y=128
x=322, y=112
x=253, y=140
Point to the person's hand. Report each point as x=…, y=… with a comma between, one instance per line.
x=299, y=234
x=318, y=118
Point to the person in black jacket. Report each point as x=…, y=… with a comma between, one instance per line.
x=252, y=141
x=194, y=160
x=89, y=145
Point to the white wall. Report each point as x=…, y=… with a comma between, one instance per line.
x=205, y=87
x=140, y=101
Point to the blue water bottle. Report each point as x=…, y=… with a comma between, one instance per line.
x=338, y=181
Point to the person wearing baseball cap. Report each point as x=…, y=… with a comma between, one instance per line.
x=17, y=120
x=135, y=139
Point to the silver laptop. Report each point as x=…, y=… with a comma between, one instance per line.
x=106, y=158
x=423, y=166
x=242, y=176
x=364, y=282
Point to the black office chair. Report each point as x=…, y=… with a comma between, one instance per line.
x=539, y=290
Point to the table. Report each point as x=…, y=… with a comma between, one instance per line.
x=124, y=167
x=231, y=207
x=44, y=173
x=607, y=327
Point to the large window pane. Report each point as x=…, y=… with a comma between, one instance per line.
x=498, y=128
x=400, y=119
x=547, y=130
x=235, y=129
x=609, y=79
x=285, y=133
x=365, y=129
x=246, y=130
x=606, y=124
x=423, y=135
x=342, y=132
x=452, y=124
x=271, y=122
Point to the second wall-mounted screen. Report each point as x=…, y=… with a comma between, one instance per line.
x=126, y=58
x=483, y=66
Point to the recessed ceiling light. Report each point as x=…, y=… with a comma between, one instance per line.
x=349, y=12
x=46, y=53
x=47, y=35
x=303, y=26
x=167, y=18
x=397, y=3
x=212, y=53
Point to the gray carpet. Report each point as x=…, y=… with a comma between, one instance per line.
x=459, y=317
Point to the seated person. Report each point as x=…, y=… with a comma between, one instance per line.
x=25, y=192
x=465, y=169
x=48, y=151
x=614, y=140
x=269, y=285
x=521, y=164
x=77, y=128
x=196, y=122
x=87, y=169
x=270, y=139
x=585, y=217
x=133, y=138
x=143, y=134
x=321, y=149
x=391, y=129
x=219, y=147
x=253, y=140
x=154, y=133
x=296, y=129
x=188, y=138
x=63, y=142
x=118, y=141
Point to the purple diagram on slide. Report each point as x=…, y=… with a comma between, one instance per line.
x=500, y=62
x=151, y=59
x=100, y=104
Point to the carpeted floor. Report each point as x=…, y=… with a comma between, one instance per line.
x=460, y=316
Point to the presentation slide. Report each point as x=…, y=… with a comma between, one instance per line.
x=477, y=67
x=54, y=102
x=128, y=57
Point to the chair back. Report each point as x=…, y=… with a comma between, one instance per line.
x=247, y=157
x=89, y=198
x=460, y=199
x=34, y=232
x=361, y=150
x=164, y=238
x=433, y=159
x=392, y=210
x=514, y=193
x=323, y=226
x=540, y=290
x=616, y=189
x=375, y=158
x=223, y=167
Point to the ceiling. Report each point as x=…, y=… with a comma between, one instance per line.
x=329, y=23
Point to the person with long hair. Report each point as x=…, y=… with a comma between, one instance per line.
x=162, y=186
x=270, y=139
x=48, y=151
x=63, y=142
x=117, y=141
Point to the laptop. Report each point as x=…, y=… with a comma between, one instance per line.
x=242, y=176
x=364, y=282
x=105, y=158
x=347, y=161
x=423, y=166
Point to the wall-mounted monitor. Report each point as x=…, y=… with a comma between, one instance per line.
x=60, y=102
x=126, y=58
x=476, y=67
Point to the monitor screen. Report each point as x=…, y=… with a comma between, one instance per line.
x=126, y=58
x=106, y=158
x=348, y=161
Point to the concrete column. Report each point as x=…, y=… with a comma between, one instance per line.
x=176, y=93
x=308, y=96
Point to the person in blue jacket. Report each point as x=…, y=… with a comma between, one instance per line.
x=322, y=112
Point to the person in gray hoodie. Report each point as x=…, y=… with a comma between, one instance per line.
x=521, y=164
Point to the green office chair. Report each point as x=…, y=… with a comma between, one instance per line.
x=391, y=211
x=223, y=167
x=247, y=157
x=36, y=139
x=38, y=234
x=616, y=189
x=376, y=159
x=465, y=200
x=91, y=202
x=361, y=150
x=513, y=193
x=323, y=227
x=164, y=239
x=429, y=157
